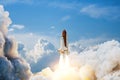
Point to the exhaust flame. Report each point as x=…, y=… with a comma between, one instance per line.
x=65, y=71
x=64, y=61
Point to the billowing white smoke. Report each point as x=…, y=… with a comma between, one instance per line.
x=5, y=21
x=21, y=69
x=112, y=76
x=103, y=58
x=2, y=41
x=5, y=65
x=84, y=44
x=12, y=67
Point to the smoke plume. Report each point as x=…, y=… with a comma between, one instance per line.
x=12, y=66
x=5, y=21
x=98, y=62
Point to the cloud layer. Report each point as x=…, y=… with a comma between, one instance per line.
x=43, y=54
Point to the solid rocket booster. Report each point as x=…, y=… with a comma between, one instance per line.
x=63, y=43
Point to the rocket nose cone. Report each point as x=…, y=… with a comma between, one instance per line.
x=64, y=33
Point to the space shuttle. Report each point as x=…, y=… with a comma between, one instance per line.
x=63, y=43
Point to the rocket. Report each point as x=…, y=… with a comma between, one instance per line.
x=63, y=43
x=63, y=50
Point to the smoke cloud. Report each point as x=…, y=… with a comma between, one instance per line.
x=12, y=66
x=2, y=41
x=103, y=58
x=5, y=21
x=98, y=62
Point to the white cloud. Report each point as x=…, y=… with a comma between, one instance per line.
x=96, y=11
x=65, y=18
x=11, y=30
x=42, y=54
x=33, y=38
x=16, y=27
x=41, y=48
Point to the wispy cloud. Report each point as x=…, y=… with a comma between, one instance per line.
x=52, y=27
x=11, y=30
x=6, y=2
x=65, y=18
x=16, y=27
x=64, y=5
x=96, y=11
x=92, y=10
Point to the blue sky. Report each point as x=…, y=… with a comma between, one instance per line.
x=81, y=18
